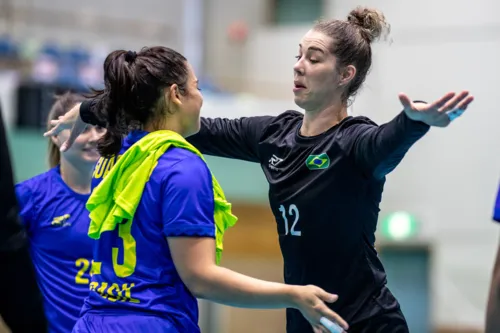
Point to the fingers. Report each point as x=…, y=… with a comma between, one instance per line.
x=54, y=130
x=77, y=129
x=331, y=326
x=405, y=100
x=453, y=102
x=443, y=100
x=318, y=329
x=465, y=103
x=327, y=297
x=329, y=319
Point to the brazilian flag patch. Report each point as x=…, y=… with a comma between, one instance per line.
x=318, y=162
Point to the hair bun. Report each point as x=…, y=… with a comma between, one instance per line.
x=371, y=22
x=130, y=56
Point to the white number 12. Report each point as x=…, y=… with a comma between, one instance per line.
x=293, y=211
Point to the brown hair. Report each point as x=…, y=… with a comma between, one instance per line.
x=352, y=40
x=63, y=103
x=133, y=90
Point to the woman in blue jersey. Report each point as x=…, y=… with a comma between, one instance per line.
x=52, y=207
x=158, y=213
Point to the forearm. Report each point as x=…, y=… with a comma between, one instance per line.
x=381, y=149
x=227, y=287
x=493, y=309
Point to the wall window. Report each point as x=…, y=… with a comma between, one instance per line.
x=287, y=12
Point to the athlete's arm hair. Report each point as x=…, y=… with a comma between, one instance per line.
x=21, y=304
x=194, y=259
x=493, y=309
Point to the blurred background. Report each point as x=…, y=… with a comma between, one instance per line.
x=435, y=234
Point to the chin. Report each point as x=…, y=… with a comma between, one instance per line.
x=300, y=102
x=90, y=158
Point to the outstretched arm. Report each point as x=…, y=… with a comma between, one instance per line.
x=231, y=138
x=379, y=149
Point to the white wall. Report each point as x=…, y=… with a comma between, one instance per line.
x=449, y=179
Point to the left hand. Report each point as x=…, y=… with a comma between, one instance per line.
x=71, y=120
x=439, y=112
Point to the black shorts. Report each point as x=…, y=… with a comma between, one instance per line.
x=390, y=322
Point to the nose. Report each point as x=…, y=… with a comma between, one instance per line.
x=298, y=68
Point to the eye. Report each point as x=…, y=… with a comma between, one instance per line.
x=313, y=61
x=298, y=57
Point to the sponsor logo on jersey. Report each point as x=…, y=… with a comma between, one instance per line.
x=274, y=161
x=61, y=221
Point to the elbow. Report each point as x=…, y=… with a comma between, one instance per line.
x=198, y=284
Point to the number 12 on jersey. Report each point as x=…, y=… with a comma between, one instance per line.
x=293, y=212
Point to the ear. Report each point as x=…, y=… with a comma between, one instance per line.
x=347, y=74
x=55, y=140
x=173, y=95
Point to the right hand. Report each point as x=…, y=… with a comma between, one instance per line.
x=310, y=300
x=71, y=120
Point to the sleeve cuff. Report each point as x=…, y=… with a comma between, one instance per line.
x=182, y=230
x=86, y=113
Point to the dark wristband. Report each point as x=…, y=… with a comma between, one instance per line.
x=86, y=113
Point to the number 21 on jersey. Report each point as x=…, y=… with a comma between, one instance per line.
x=293, y=213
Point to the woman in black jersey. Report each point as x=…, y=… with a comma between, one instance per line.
x=326, y=170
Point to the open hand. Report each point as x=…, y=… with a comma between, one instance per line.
x=71, y=120
x=439, y=113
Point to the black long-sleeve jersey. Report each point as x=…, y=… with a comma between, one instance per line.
x=324, y=192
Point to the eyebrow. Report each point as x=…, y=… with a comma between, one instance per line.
x=313, y=48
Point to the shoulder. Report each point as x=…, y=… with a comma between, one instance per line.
x=357, y=122
x=36, y=187
x=181, y=167
x=287, y=117
x=352, y=127
x=283, y=123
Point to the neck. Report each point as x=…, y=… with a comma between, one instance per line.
x=319, y=121
x=171, y=124
x=77, y=178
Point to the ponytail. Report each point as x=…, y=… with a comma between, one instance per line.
x=133, y=89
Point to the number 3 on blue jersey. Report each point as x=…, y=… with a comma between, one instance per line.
x=127, y=268
x=293, y=212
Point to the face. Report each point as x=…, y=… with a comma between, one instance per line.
x=190, y=105
x=84, y=150
x=317, y=82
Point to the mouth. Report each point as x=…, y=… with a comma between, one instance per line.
x=92, y=150
x=297, y=86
